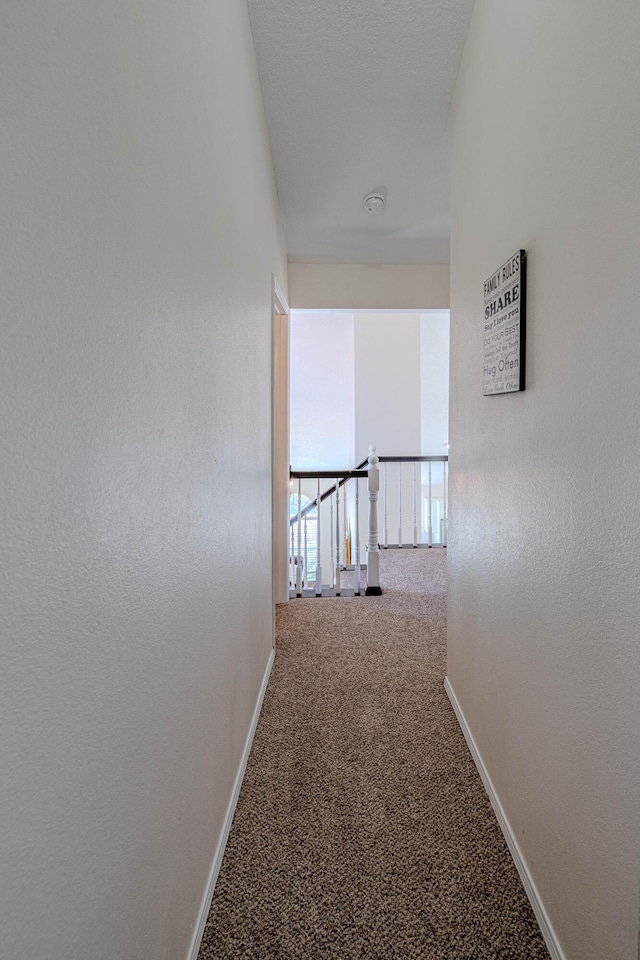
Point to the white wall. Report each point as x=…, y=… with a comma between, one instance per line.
x=321, y=380
x=387, y=384
x=402, y=397
x=139, y=231
x=434, y=418
x=363, y=286
x=544, y=610
x=434, y=382
x=387, y=392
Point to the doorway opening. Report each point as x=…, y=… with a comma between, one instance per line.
x=374, y=377
x=280, y=445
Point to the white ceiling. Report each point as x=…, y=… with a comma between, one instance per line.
x=357, y=96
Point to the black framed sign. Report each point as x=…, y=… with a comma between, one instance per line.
x=505, y=327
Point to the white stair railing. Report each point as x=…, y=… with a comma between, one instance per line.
x=336, y=575
x=357, y=571
x=318, y=585
x=334, y=539
x=373, y=547
x=426, y=502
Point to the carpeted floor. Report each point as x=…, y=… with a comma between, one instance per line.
x=362, y=828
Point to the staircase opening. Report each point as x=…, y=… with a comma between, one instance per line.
x=358, y=379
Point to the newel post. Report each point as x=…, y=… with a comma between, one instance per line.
x=373, y=548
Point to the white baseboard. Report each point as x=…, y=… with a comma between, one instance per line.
x=550, y=938
x=231, y=809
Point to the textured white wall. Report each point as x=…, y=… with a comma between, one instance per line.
x=140, y=227
x=544, y=609
x=362, y=286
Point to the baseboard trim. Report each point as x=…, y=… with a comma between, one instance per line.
x=546, y=928
x=228, y=820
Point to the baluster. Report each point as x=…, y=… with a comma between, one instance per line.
x=331, y=536
x=345, y=527
x=318, y=547
x=292, y=569
x=356, y=573
x=430, y=523
x=305, y=574
x=373, y=548
x=386, y=512
x=400, y=504
x=445, y=519
x=299, y=557
x=415, y=508
x=337, y=577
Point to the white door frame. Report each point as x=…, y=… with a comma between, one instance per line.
x=280, y=443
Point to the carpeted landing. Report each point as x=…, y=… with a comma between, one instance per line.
x=362, y=828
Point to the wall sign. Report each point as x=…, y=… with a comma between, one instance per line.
x=505, y=327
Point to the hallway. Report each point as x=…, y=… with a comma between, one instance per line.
x=362, y=828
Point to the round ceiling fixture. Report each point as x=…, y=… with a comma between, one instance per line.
x=374, y=202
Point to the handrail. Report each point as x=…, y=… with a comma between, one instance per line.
x=324, y=475
x=344, y=475
x=434, y=459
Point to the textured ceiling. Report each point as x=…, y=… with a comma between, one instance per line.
x=357, y=95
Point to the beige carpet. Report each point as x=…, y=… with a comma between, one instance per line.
x=363, y=829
